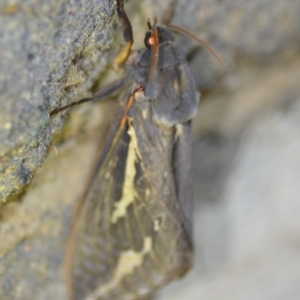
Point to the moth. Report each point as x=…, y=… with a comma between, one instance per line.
x=132, y=230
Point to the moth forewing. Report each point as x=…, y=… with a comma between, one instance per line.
x=131, y=235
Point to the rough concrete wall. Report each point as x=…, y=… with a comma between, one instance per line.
x=245, y=151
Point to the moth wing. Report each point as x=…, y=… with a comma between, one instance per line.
x=178, y=97
x=126, y=241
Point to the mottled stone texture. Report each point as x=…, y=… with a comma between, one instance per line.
x=50, y=52
x=246, y=149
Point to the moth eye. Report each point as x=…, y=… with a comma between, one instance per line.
x=148, y=39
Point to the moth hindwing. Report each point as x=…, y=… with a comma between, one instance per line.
x=132, y=230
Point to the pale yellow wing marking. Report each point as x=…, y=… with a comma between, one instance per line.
x=128, y=189
x=128, y=261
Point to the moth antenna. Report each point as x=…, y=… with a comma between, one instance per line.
x=168, y=15
x=154, y=42
x=197, y=39
x=127, y=34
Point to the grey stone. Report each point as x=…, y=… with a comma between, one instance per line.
x=245, y=151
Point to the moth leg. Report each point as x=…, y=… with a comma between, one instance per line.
x=129, y=103
x=127, y=34
x=104, y=92
x=167, y=16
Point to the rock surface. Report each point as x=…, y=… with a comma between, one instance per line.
x=247, y=166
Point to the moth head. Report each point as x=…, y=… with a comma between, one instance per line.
x=157, y=34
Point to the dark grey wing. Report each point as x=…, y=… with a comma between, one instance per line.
x=91, y=250
x=182, y=155
x=128, y=238
x=178, y=100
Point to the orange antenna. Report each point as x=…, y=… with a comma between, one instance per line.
x=168, y=14
x=197, y=39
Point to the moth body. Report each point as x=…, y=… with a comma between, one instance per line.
x=132, y=232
